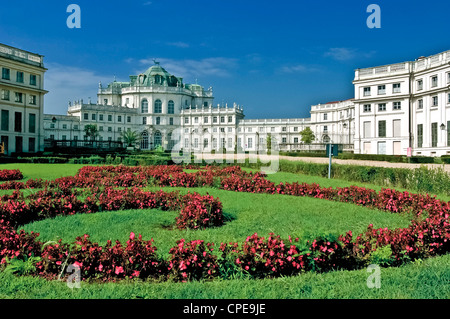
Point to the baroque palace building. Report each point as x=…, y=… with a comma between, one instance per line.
x=21, y=101
x=165, y=111
x=398, y=109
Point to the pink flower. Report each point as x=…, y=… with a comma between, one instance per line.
x=132, y=236
x=119, y=270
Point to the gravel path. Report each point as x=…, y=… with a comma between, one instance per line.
x=335, y=161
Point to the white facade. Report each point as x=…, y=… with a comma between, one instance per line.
x=334, y=122
x=404, y=106
x=21, y=101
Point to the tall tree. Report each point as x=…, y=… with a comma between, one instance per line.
x=307, y=136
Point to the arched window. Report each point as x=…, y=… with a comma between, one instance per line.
x=144, y=140
x=144, y=106
x=171, y=107
x=326, y=139
x=157, y=139
x=158, y=106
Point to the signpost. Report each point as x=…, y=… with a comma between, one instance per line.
x=332, y=150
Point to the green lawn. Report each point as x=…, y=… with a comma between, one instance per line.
x=246, y=214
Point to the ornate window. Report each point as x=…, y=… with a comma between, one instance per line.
x=144, y=106
x=171, y=107
x=158, y=106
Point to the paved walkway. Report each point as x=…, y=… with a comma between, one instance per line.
x=335, y=161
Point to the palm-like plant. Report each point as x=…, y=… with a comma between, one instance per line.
x=130, y=137
x=91, y=131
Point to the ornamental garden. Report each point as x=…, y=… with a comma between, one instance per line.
x=178, y=228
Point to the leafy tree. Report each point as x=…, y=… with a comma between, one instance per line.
x=91, y=131
x=307, y=135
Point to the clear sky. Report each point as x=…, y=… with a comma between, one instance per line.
x=276, y=58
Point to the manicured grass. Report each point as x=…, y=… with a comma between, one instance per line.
x=429, y=279
x=246, y=214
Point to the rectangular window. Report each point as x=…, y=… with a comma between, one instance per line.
x=325, y=129
x=195, y=120
x=205, y=120
x=109, y=129
x=382, y=107
x=215, y=119
x=119, y=118
x=64, y=137
x=186, y=143
x=17, y=121
x=128, y=119
x=222, y=130
x=19, y=144
x=230, y=119
x=448, y=133
x=119, y=129
x=397, y=106
x=52, y=125
x=100, y=117
x=230, y=130
x=397, y=128
x=434, y=81
x=100, y=128
x=5, y=95
x=396, y=88
x=434, y=101
x=249, y=129
x=250, y=142
x=230, y=142
x=272, y=129
x=32, y=79
x=171, y=121
x=19, y=77
x=205, y=143
x=325, y=116
x=32, y=123
x=19, y=97
x=381, y=128
x=6, y=74
x=75, y=137
x=222, y=119
x=86, y=116
x=32, y=100
x=420, y=104
x=296, y=129
x=381, y=89
x=186, y=120
x=144, y=120
x=196, y=142
x=32, y=144
x=64, y=126
x=158, y=120
x=419, y=85
x=283, y=140
x=75, y=127
x=94, y=116
x=434, y=134
x=109, y=118
x=367, y=108
x=367, y=91
x=5, y=120
x=419, y=135
x=283, y=129
x=295, y=139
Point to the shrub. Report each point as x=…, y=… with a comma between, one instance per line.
x=192, y=260
x=10, y=174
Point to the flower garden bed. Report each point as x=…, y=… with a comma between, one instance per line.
x=428, y=234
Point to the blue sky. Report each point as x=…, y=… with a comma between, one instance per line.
x=276, y=58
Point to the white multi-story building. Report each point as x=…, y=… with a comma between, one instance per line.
x=334, y=122
x=21, y=101
x=404, y=107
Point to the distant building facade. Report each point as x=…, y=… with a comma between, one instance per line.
x=404, y=106
x=21, y=100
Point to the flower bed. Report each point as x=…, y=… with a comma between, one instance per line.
x=428, y=234
x=10, y=174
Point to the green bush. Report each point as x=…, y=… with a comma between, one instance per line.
x=46, y=160
x=421, y=159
